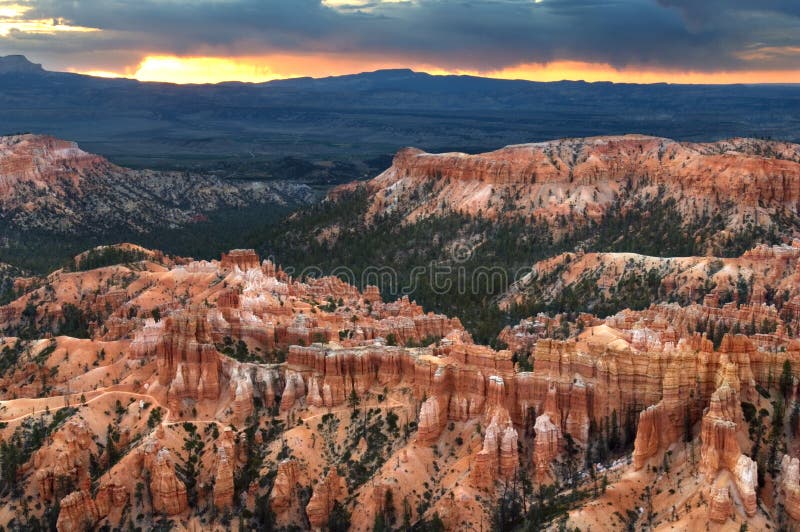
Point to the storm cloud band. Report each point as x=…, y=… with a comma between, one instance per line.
x=481, y=35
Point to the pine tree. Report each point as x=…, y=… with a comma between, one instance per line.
x=353, y=400
x=787, y=380
x=613, y=436
x=388, y=507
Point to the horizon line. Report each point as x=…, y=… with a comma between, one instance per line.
x=96, y=75
x=432, y=72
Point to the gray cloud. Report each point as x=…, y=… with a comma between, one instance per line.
x=705, y=35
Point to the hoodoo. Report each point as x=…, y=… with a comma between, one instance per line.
x=198, y=392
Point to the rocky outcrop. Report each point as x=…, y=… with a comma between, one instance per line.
x=187, y=361
x=78, y=512
x=284, y=490
x=168, y=492
x=64, y=464
x=720, y=505
x=546, y=446
x=326, y=493
x=720, y=446
x=648, y=435
x=431, y=421
x=644, y=363
x=223, y=479
x=454, y=384
x=583, y=178
x=293, y=390
x=790, y=485
x=110, y=496
x=499, y=458
x=45, y=184
x=244, y=259
x=720, y=453
x=746, y=475
x=250, y=382
x=684, y=279
x=241, y=386
x=40, y=160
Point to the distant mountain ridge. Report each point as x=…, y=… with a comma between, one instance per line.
x=18, y=64
x=244, y=130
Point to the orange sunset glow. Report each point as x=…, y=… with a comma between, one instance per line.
x=184, y=70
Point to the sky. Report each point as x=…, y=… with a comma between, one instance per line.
x=207, y=41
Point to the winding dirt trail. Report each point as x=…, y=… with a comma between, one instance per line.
x=68, y=403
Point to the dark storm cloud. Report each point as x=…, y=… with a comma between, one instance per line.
x=707, y=10
x=471, y=34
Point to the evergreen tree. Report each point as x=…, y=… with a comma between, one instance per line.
x=339, y=519
x=786, y=380
x=388, y=507
x=353, y=400
x=613, y=434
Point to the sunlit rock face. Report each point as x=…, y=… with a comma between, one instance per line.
x=720, y=449
x=78, y=512
x=790, y=484
x=198, y=370
x=327, y=493
x=584, y=178
x=168, y=491
x=187, y=360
